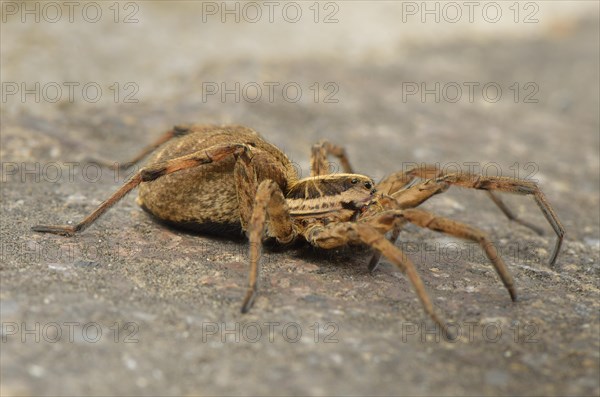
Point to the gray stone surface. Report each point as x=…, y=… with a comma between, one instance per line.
x=167, y=302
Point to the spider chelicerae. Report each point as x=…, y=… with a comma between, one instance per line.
x=228, y=180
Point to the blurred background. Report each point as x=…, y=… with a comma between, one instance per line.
x=508, y=87
x=391, y=71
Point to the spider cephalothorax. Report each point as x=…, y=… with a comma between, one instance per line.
x=227, y=179
x=330, y=198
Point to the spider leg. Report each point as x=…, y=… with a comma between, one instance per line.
x=213, y=154
x=400, y=185
x=447, y=226
x=411, y=197
x=511, y=185
x=402, y=179
x=397, y=181
x=374, y=261
x=269, y=205
x=417, y=194
x=249, y=172
x=337, y=234
x=177, y=131
x=510, y=215
x=318, y=159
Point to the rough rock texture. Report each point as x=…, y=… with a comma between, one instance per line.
x=145, y=310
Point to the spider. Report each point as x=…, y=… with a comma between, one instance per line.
x=228, y=180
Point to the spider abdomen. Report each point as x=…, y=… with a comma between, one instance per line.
x=204, y=198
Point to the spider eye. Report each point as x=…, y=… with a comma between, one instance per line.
x=354, y=181
x=368, y=185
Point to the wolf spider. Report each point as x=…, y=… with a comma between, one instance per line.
x=227, y=179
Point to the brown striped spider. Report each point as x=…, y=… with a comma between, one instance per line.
x=228, y=180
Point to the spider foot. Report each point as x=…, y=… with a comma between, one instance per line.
x=63, y=230
x=248, y=300
x=374, y=262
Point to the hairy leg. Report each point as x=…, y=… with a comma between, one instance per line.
x=395, y=183
x=400, y=180
x=319, y=154
x=395, y=219
x=511, y=185
x=269, y=206
x=456, y=229
x=399, y=186
x=337, y=234
x=510, y=215
x=175, y=132
x=146, y=174
x=409, y=197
